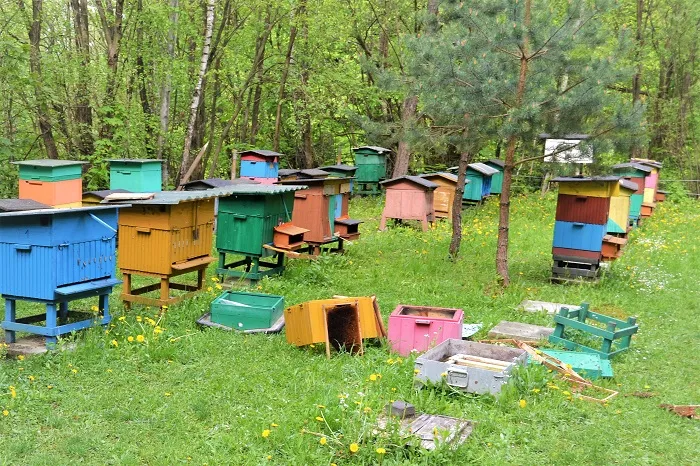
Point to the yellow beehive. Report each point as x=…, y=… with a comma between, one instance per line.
x=307, y=323
x=648, y=196
x=591, y=187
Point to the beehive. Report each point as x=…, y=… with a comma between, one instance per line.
x=341, y=171
x=315, y=321
x=419, y=328
x=497, y=178
x=260, y=164
x=409, y=198
x=163, y=235
x=371, y=168
x=444, y=195
x=650, y=186
x=246, y=311
x=315, y=209
x=51, y=182
x=284, y=174
x=480, y=177
x=54, y=256
x=248, y=221
x=136, y=175
x=96, y=197
x=635, y=173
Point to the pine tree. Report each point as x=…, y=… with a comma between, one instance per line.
x=507, y=70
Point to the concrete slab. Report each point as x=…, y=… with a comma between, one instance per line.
x=27, y=346
x=520, y=331
x=544, y=306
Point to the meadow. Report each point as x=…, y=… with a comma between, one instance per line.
x=158, y=389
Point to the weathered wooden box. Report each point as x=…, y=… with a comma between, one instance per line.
x=136, y=175
x=371, y=163
x=480, y=177
x=409, y=198
x=444, y=195
x=246, y=311
x=420, y=328
x=469, y=366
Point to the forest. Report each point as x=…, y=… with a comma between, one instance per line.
x=194, y=82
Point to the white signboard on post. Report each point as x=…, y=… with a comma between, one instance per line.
x=567, y=151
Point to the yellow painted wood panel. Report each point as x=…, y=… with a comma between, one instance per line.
x=620, y=210
x=588, y=188
x=442, y=201
x=648, y=195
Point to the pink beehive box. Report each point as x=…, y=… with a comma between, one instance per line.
x=420, y=328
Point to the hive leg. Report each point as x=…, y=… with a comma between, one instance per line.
x=424, y=224
x=63, y=311
x=51, y=324
x=164, y=290
x=200, y=278
x=104, y=308
x=127, y=289
x=10, y=315
x=382, y=223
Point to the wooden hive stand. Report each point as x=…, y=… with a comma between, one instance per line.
x=617, y=332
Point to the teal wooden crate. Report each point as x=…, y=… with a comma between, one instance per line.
x=50, y=170
x=246, y=311
x=136, y=175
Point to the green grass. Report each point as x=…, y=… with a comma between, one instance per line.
x=207, y=396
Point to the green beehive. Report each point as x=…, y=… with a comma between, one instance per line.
x=246, y=222
x=497, y=178
x=50, y=170
x=371, y=168
x=136, y=175
x=246, y=311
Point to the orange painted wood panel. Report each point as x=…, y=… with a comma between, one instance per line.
x=52, y=192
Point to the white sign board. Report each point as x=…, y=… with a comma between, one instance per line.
x=567, y=151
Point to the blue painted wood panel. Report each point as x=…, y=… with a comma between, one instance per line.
x=257, y=169
x=574, y=235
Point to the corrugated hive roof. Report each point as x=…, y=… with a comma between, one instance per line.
x=635, y=165
x=378, y=149
x=51, y=211
x=631, y=185
x=448, y=176
x=287, y=171
x=415, y=179
x=141, y=161
x=340, y=167
x=573, y=179
x=49, y=163
x=18, y=205
x=483, y=168
x=263, y=152
x=176, y=197
x=106, y=192
x=220, y=182
x=313, y=172
x=498, y=162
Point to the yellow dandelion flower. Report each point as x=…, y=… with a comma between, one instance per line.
x=367, y=410
x=320, y=406
x=265, y=433
x=210, y=289
x=274, y=425
x=416, y=371
x=49, y=387
x=168, y=394
x=20, y=357
x=140, y=338
x=323, y=441
x=522, y=403
x=565, y=393
x=164, y=307
x=535, y=390
x=94, y=309
x=114, y=343
x=31, y=378
x=13, y=392
x=122, y=319
x=157, y=331
x=5, y=412
x=373, y=377
x=393, y=389
x=390, y=361
x=269, y=457
x=130, y=339
x=214, y=279
x=444, y=374
x=312, y=346
x=139, y=318
x=319, y=418
x=75, y=371
x=354, y=447
x=380, y=451
x=218, y=287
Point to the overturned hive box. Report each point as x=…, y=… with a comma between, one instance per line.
x=420, y=328
x=246, y=311
x=341, y=322
x=469, y=366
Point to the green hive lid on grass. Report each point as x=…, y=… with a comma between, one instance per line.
x=247, y=311
x=588, y=365
x=50, y=170
x=136, y=175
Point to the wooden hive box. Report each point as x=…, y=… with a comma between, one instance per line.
x=258, y=163
x=96, y=197
x=371, y=163
x=409, y=198
x=57, y=183
x=419, y=328
x=636, y=173
x=620, y=206
x=480, y=177
x=246, y=311
x=340, y=320
x=444, y=195
x=497, y=178
x=136, y=175
x=285, y=174
x=651, y=183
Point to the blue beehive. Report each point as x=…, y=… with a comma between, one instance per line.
x=54, y=256
x=578, y=235
x=256, y=163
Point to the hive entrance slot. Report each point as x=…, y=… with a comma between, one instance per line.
x=418, y=311
x=343, y=328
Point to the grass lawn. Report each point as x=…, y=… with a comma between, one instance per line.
x=193, y=396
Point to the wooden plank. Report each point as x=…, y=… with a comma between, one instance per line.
x=520, y=331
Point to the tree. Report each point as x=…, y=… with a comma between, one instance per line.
x=500, y=64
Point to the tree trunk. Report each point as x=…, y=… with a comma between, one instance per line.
x=283, y=80
x=504, y=210
x=637, y=79
x=465, y=159
x=42, y=108
x=113, y=31
x=257, y=94
x=403, y=153
x=165, y=89
x=212, y=120
x=197, y=90
x=141, y=78
x=83, y=110
x=306, y=129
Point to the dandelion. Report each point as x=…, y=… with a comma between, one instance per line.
x=168, y=394
x=164, y=307
x=444, y=374
x=390, y=361
x=535, y=390
x=122, y=318
x=31, y=378
x=5, y=412
x=130, y=339
x=95, y=309
x=140, y=338
x=367, y=410
x=274, y=425
x=269, y=457
x=114, y=343
x=214, y=279
x=354, y=447
x=49, y=387
x=13, y=392
x=157, y=331
x=218, y=287
x=522, y=403
x=373, y=377
x=139, y=318
x=320, y=406
x=265, y=433
x=319, y=418
x=323, y=441
x=380, y=451
x=75, y=371
x=210, y=289
x=416, y=371
x=566, y=393
x=20, y=357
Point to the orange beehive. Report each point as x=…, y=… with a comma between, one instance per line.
x=52, y=193
x=409, y=198
x=164, y=235
x=334, y=321
x=444, y=194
